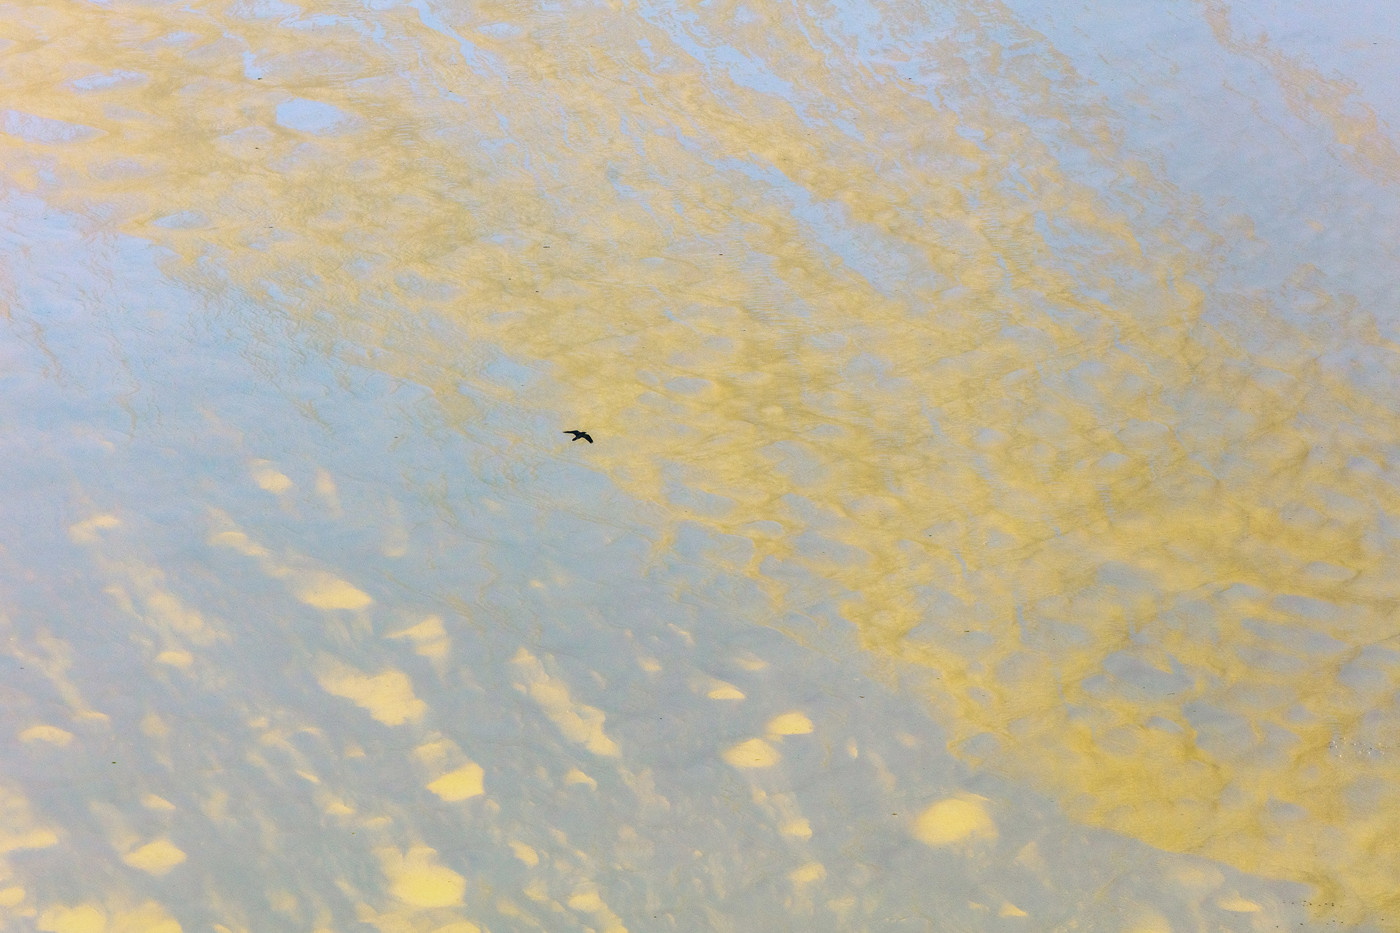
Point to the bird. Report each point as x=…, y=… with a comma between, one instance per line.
x=580, y=435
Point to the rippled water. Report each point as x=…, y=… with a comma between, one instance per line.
x=993, y=520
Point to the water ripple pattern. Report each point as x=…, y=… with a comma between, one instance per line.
x=992, y=519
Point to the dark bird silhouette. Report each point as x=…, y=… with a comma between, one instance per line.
x=583, y=435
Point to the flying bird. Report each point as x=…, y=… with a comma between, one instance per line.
x=580, y=435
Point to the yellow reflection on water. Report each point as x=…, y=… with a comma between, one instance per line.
x=896, y=351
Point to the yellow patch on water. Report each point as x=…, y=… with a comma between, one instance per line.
x=578, y=722
x=956, y=819
x=435, y=751
x=11, y=896
x=149, y=917
x=1239, y=905
x=26, y=839
x=81, y=919
x=1011, y=910
x=326, y=591
x=387, y=696
x=1148, y=921
x=416, y=877
x=146, y=594
x=328, y=493
x=153, y=802
x=754, y=753
x=586, y=899
x=156, y=857
x=44, y=733
x=575, y=776
x=335, y=806
x=461, y=784
x=238, y=541
x=270, y=478
x=840, y=905
x=525, y=853
x=429, y=637
x=724, y=691
x=86, y=531
x=175, y=658
x=812, y=871
x=166, y=609
x=460, y=926
x=798, y=828
x=789, y=724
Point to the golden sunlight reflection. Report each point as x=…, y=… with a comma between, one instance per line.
x=989, y=517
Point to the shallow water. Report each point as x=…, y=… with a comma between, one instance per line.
x=992, y=521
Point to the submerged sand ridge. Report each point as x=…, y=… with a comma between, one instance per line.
x=910, y=337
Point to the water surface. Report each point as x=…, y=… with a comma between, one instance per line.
x=992, y=521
